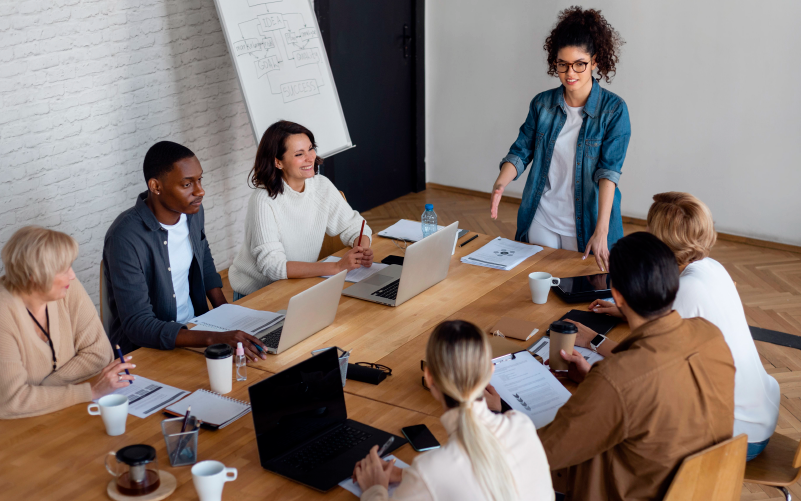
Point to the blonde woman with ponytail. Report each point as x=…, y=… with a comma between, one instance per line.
x=494, y=457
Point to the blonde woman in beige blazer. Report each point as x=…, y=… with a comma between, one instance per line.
x=488, y=456
x=51, y=339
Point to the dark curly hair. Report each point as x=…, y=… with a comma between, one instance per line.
x=271, y=147
x=587, y=28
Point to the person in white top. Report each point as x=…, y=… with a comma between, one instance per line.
x=488, y=456
x=706, y=290
x=290, y=211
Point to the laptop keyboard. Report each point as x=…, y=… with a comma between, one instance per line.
x=326, y=448
x=389, y=291
x=271, y=340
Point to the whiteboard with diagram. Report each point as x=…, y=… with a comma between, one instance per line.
x=283, y=69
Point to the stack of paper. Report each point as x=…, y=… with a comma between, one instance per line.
x=353, y=487
x=146, y=397
x=411, y=231
x=232, y=317
x=358, y=274
x=501, y=254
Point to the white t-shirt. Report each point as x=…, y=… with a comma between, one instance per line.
x=180, y=250
x=706, y=290
x=557, y=209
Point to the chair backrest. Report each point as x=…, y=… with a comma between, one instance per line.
x=105, y=319
x=714, y=474
x=331, y=244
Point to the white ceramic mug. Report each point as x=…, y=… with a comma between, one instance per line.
x=114, y=411
x=210, y=477
x=540, y=284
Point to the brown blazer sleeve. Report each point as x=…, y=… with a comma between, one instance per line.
x=593, y=421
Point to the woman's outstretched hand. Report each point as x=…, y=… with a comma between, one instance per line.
x=597, y=245
x=497, y=193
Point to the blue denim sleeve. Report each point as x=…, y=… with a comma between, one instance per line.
x=138, y=321
x=614, y=146
x=211, y=279
x=522, y=150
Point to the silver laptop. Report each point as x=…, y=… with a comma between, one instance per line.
x=308, y=312
x=425, y=264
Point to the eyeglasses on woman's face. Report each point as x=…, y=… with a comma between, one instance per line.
x=578, y=66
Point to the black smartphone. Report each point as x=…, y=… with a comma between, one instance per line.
x=393, y=260
x=420, y=437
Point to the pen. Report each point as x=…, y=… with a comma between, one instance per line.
x=468, y=241
x=181, y=440
x=359, y=241
x=386, y=445
x=122, y=360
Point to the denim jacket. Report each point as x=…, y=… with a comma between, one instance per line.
x=138, y=280
x=600, y=151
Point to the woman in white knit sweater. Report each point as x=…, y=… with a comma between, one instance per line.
x=289, y=213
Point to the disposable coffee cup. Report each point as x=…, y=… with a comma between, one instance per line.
x=113, y=409
x=220, y=364
x=540, y=284
x=563, y=337
x=210, y=477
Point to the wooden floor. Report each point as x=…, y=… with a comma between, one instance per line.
x=769, y=282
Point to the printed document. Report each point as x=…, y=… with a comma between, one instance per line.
x=528, y=387
x=358, y=274
x=543, y=347
x=232, y=317
x=501, y=254
x=350, y=485
x=146, y=397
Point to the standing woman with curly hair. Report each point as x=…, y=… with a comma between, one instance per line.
x=575, y=137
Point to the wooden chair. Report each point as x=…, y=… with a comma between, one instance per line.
x=331, y=244
x=714, y=474
x=778, y=466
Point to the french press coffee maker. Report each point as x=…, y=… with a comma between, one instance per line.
x=136, y=470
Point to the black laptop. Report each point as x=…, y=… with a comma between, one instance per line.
x=583, y=289
x=302, y=426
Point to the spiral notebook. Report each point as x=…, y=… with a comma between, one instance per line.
x=215, y=410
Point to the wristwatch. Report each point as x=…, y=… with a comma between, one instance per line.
x=596, y=342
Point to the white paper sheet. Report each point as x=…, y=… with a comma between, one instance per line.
x=146, y=397
x=543, y=346
x=353, y=487
x=527, y=386
x=231, y=317
x=501, y=254
x=358, y=274
x=411, y=231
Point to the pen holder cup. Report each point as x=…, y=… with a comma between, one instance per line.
x=181, y=447
x=343, y=361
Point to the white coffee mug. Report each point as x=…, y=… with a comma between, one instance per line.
x=209, y=478
x=540, y=284
x=114, y=411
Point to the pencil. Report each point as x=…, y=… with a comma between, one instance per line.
x=122, y=360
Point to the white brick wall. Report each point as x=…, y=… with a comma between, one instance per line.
x=86, y=87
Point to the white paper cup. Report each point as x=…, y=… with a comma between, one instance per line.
x=540, y=284
x=210, y=477
x=220, y=364
x=113, y=409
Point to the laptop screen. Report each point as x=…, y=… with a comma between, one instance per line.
x=297, y=404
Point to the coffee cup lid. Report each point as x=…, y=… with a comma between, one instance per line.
x=563, y=327
x=217, y=351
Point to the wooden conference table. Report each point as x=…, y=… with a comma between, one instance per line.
x=60, y=455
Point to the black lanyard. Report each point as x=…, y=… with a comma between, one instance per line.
x=49, y=341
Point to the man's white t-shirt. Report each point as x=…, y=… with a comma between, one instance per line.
x=557, y=208
x=706, y=290
x=180, y=250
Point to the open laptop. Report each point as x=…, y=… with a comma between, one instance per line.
x=308, y=312
x=425, y=264
x=302, y=426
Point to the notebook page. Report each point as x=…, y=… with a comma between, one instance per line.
x=358, y=274
x=211, y=408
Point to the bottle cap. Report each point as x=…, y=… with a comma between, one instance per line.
x=429, y=206
x=239, y=350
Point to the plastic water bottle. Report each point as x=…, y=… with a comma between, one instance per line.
x=429, y=221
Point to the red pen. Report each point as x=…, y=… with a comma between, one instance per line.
x=359, y=241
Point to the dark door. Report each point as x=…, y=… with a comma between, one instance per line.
x=371, y=46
